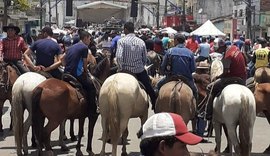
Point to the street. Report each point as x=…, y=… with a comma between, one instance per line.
x=261, y=139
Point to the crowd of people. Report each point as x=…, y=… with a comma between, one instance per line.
x=179, y=54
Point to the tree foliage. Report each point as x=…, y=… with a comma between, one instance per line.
x=22, y=5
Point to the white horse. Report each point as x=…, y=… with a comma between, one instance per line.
x=235, y=106
x=21, y=100
x=120, y=99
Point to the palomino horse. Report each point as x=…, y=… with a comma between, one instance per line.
x=262, y=97
x=8, y=76
x=21, y=100
x=58, y=100
x=177, y=97
x=120, y=99
x=234, y=106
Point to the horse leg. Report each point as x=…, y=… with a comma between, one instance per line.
x=217, y=127
x=105, y=129
x=1, y=113
x=51, y=125
x=232, y=135
x=124, y=132
x=61, y=136
x=92, y=122
x=124, y=141
x=78, y=146
x=210, y=129
x=26, y=127
x=228, y=149
x=71, y=130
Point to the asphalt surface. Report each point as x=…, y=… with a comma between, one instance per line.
x=261, y=139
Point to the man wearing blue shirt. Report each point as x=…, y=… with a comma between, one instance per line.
x=181, y=62
x=76, y=65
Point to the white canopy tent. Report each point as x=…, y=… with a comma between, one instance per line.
x=207, y=29
x=99, y=11
x=168, y=30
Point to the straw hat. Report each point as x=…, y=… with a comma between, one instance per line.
x=203, y=65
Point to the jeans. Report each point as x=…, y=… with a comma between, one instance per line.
x=19, y=64
x=90, y=92
x=56, y=73
x=145, y=80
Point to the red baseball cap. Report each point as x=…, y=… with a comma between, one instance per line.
x=169, y=124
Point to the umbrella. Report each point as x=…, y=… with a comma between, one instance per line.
x=168, y=30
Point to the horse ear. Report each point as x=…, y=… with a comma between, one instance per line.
x=148, y=67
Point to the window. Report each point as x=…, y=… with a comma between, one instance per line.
x=235, y=13
x=241, y=13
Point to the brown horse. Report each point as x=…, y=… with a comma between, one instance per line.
x=58, y=100
x=156, y=60
x=262, y=75
x=177, y=97
x=262, y=97
x=8, y=76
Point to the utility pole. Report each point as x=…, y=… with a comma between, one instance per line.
x=40, y=13
x=166, y=9
x=56, y=12
x=5, y=17
x=50, y=13
x=248, y=18
x=184, y=16
x=158, y=3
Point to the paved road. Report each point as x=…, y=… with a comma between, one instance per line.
x=7, y=146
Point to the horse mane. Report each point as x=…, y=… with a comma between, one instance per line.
x=99, y=69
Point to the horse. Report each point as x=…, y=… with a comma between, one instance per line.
x=155, y=59
x=8, y=75
x=21, y=100
x=177, y=97
x=262, y=94
x=234, y=106
x=262, y=75
x=120, y=99
x=58, y=100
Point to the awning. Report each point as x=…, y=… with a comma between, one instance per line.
x=98, y=12
x=101, y=5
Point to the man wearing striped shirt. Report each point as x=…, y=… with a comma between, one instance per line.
x=131, y=57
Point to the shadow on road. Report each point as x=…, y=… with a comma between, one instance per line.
x=6, y=133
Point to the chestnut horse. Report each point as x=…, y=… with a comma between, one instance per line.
x=58, y=100
x=120, y=99
x=21, y=100
x=177, y=97
x=262, y=75
x=262, y=97
x=8, y=75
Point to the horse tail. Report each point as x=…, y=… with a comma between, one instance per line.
x=36, y=114
x=17, y=114
x=244, y=125
x=113, y=115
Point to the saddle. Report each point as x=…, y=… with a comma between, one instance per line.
x=220, y=84
x=128, y=72
x=177, y=78
x=75, y=84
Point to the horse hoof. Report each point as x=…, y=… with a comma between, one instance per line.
x=90, y=153
x=124, y=154
x=227, y=150
x=73, y=138
x=79, y=153
x=25, y=152
x=267, y=151
x=64, y=137
x=34, y=145
x=64, y=148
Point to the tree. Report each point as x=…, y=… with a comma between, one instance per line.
x=21, y=5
